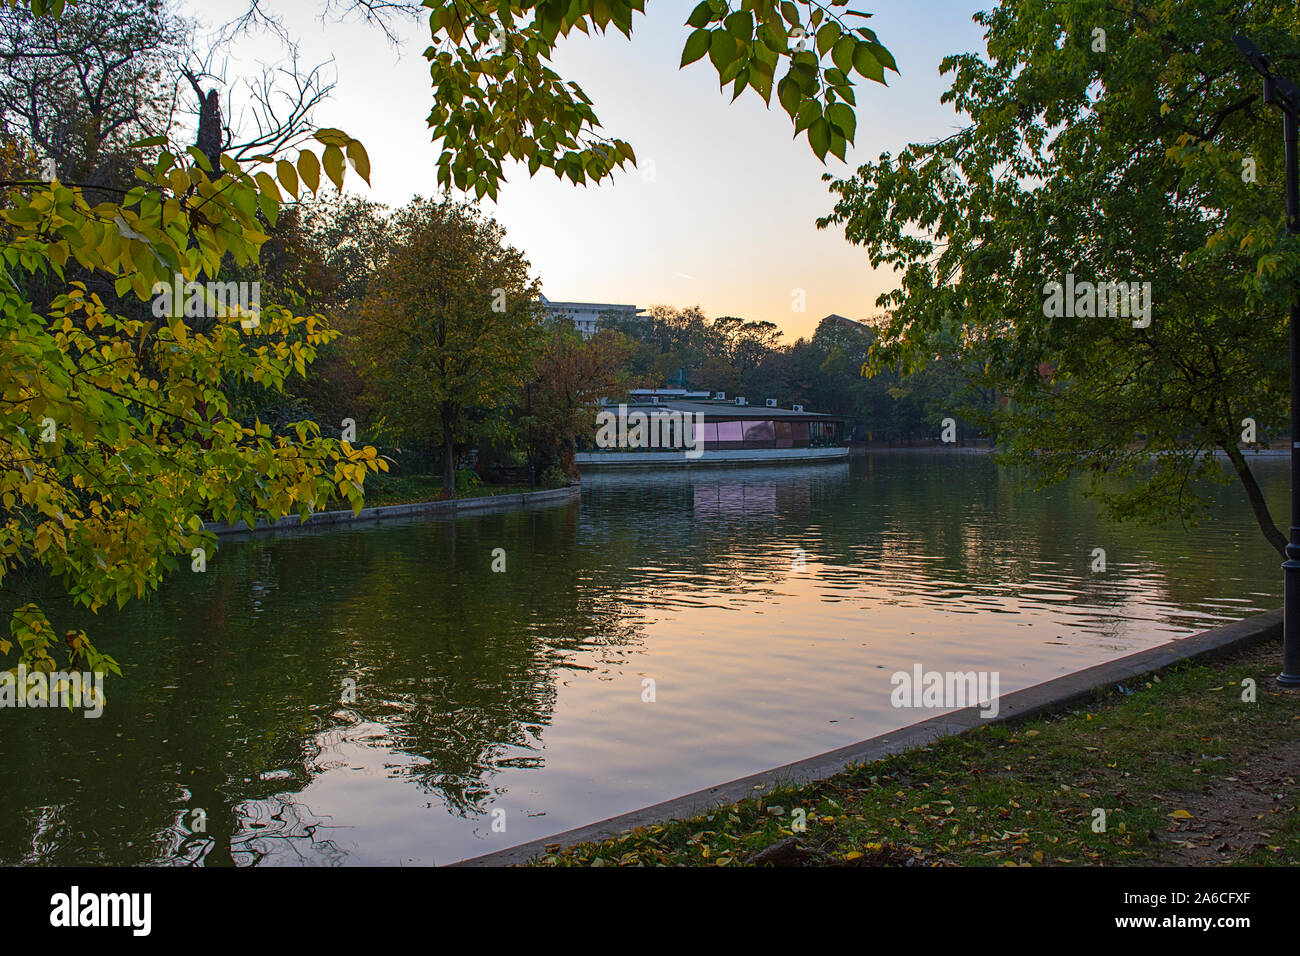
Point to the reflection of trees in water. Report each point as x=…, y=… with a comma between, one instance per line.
x=276, y=827
x=472, y=691
x=45, y=829
x=458, y=665
x=234, y=672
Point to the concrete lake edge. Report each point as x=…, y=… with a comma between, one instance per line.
x=1048, y=697
x=484, y=504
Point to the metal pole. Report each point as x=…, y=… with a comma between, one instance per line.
x=1280, y=91
x=1290, y=676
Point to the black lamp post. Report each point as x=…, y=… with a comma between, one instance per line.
x=1282, y=92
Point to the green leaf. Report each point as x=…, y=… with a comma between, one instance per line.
x=865, y=62
x=842, y=117
x=722, y=49
x=742, y=77
x=827, y=36
x=884, y=56
x=788, y=95
x=819, y=137
x=147, y=142
x=773, y=39
x=270, y=208
x=740, y=25
x=809, y=111
x=701, y=15
x=842, y=53
x=697, y=44
x=838, y=144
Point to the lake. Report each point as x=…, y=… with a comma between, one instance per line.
x=379, y=695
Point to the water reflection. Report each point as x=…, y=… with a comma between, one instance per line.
x=486, y=700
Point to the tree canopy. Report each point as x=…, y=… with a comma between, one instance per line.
x=1104, y=143
x=117, y=435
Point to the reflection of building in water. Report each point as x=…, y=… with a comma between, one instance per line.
x=734, y=500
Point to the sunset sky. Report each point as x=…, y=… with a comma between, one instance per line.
x=721, y=212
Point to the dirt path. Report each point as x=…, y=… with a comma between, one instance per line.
x=1239, y=815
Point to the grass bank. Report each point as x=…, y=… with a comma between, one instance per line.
x=1187, y=772
x=414, y=489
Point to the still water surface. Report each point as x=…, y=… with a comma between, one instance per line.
x=522, y=691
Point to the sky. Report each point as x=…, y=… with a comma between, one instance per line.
x=721, y=211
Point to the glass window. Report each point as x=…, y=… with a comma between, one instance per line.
x=759, y=432
x=730, y=431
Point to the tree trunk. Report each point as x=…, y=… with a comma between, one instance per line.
x=448, y=460
x=1257, y=503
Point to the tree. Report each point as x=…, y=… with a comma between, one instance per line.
x=116, y=437
x=448, y=327
x=80, y=88
x=1106, y=144
x=571, y=377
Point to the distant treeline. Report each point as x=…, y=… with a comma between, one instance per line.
x=825, y=373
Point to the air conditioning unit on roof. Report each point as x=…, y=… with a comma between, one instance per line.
x=771, y=403
x=798, y=408
x=741, y=400
x=720, y=396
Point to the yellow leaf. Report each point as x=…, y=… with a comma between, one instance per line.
x=288, y=176
x=309, y=169
x=359, y=160
x=334, y=165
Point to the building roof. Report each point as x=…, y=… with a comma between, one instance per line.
x=587, y=306
x=841, y=320
x=720, y=410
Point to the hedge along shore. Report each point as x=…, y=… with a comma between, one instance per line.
x=1049, y=697
x=486, y=504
